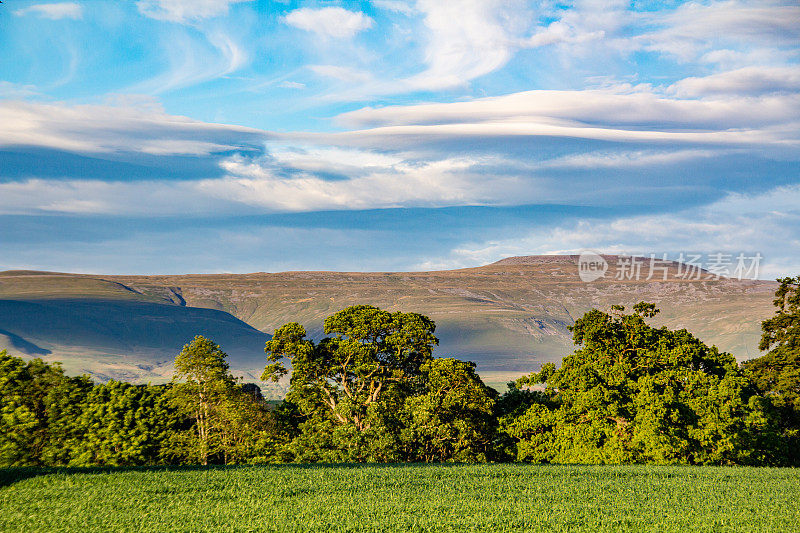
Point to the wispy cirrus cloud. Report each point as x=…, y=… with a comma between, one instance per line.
x=397, y=6
x=694, y=28
x=53, y=11
x=466, y=40
x=341, y=73
x=185, y=11
x=194, y=60
x=196, y=49
x=16, y=91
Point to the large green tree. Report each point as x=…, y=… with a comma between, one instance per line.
x=122, y=424
x=204, y=385
x=453, y=419
x=39, y=405
x=777, y=373
x=50, y=419
x=372, y=391
x=227, y=422
x=633, y=393
x=368, y=355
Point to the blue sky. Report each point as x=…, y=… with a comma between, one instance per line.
x=172, y=136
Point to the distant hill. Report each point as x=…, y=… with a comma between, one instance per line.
x=509, y=317
x=110, y=331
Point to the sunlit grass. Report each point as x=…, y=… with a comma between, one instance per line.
x=402, y=498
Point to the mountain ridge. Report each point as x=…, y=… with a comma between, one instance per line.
x=509, y=316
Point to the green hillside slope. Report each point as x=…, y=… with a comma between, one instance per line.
x=110, y=331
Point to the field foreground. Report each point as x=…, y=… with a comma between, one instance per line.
x=402, y=498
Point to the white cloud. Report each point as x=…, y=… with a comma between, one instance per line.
x=311, y=177
x=768, y=223
x=347, y=162
x=292, y=85
x=621, y=115
x=341, y=73
x=465, y=40
x=55, y=11
x=727, y=59
x=693, y=27
x=99, y=197
x=472, y=38
x=396, y=6
x=15, y=90
x=333, y=22
x=468, y=39
x=741, y=82
x=559, y=32
x=418, y=135
x=253, y=186
x=627, y=160
x=129, y=126
x=438, y=183
x=195, y=59
x=185, y=11
x=603, y=107
x=462, y=41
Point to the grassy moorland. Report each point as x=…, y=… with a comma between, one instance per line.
x=508, y=317
x=511, y=497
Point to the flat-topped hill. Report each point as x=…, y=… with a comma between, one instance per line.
x=510, y=316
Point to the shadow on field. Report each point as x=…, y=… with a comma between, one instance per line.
x=11, y=475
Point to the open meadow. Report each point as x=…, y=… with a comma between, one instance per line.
x=507, y=497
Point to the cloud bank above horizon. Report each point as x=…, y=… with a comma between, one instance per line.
x=427, y=134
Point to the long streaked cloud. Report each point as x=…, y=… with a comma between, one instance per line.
x=265, y=187
x=741, y=82
x=398, y=163
x=633, y=116
x=624, y=105
x=133, y=126
x=636, y=116
x=294, y=179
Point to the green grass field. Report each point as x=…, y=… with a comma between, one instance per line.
x=402, y=498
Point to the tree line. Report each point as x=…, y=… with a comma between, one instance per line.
x=372, y=391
